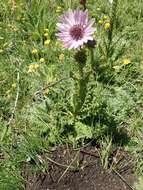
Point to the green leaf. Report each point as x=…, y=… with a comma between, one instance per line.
x=83, y=131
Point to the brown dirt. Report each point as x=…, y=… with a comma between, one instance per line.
x=70, y=169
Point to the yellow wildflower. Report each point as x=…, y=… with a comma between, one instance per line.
x=33, y=68
x=42, y=60
x=46, y=30
x=46, y=43
x=34, y=51
x=46, y=34
x=59, y=9
x=36, y=66
x=105, y=17
x=61, y=57
x=100, y=21
x=107, y=26
x=126, y=61
x=30, y=69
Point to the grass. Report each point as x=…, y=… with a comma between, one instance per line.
x=38, y=90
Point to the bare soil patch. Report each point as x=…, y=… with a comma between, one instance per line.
x=70, y=169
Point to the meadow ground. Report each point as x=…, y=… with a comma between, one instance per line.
x=87, y=98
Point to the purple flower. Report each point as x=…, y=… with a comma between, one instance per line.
x=75, y=28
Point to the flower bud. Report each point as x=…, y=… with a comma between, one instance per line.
x=83, y=2
x=91, y=43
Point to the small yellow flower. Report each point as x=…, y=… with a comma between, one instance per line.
x=36, y=66
x=13, y=85
x=59, y=9
x=61, y=57
x=105, y=17
x=34, y=51
x=42, y=60
x=126, y=61
x=46, y=30
x=33, y=68
x=46, y=43
x=100, y=21
x=46, y=34
x=30, y=70
x=107, y=26
x=1, y=51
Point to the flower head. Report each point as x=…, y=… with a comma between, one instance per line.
x=105, y=17
x=100, y=21
x=46, y=42
x=41, y=60
x=107, y=26
x=61, y=57
x=46, y=34
x=59, y=9
x=34, y=51
x=126, y=61
x=32, y=68
x=46, y=30
x=75, y=28
x=91, y=43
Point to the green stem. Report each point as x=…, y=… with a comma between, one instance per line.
x=81, y=82
x=80, y=90
x=112, y=23
x=92, y=61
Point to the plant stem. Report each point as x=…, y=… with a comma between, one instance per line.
x=92, y=61
x=81, y=81
x=80, y=90
x=112, y=23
